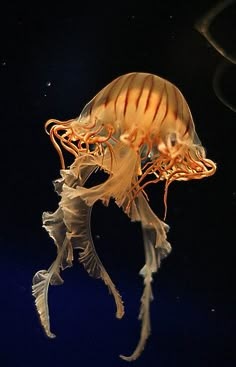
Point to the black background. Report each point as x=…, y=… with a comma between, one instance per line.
x=51, y=66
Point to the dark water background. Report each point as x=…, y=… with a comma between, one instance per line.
x=50, y=67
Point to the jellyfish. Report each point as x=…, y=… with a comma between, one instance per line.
x=140, y=131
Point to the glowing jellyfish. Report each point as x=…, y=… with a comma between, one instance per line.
x=139, y=130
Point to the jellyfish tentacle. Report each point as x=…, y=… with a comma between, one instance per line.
x=57, y=147
x=99, y=140
x=67, y=144
x=158, y=165
x=57, y=123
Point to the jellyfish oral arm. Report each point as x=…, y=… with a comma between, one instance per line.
x=41, y=281
x=69, y=227
x=156, y=247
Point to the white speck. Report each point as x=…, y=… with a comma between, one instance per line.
x=98, y=237
x=45, y=95
x=48, y=84
x=171, y=16
x=4, y=63
x=212, y=310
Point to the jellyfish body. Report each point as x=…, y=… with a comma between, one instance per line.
x=139, y=130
